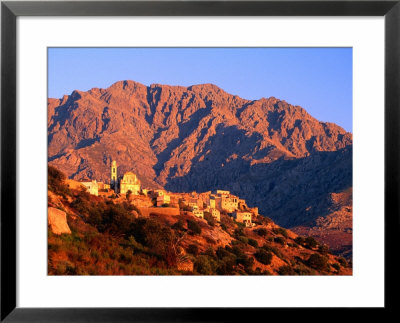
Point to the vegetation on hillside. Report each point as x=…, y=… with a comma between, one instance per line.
x=110, y=237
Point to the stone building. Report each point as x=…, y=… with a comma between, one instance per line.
x=222, y=193
x=215, y=214
x=243, y=217
x=210, y=201
x=163, y=199
x=198, y=213
x=103, y=186
x=91, y=186
x=227, y=203
x=129, y=182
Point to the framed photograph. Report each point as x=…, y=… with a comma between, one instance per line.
x=203, y=160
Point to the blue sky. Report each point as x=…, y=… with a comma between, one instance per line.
x=318, y=79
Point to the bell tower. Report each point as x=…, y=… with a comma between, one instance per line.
x=114, y=181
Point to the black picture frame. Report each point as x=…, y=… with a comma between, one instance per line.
x=10, y=10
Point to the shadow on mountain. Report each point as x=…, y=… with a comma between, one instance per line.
x=185, y=130
x=87, y=142
x=290, y=191
x=223, y=153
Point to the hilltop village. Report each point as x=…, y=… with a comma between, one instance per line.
x=121, y=228
x=128, y=186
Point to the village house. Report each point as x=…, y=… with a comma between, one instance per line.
x=224, y=200
x=198, y=213
x=91, y=186
x=209, y=200
x=174, y=200
x=192, y=202
x=227, y=203
x=103, y=186
x=157, y=193
x=163, y=199
x=242, y=204
x=214, y=213
x=243, y=217
x=254, y=210
x=222, y=193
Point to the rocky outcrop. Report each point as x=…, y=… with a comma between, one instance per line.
x=57, y=221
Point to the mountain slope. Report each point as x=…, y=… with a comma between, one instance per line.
x=274, y=154
x=111, y=236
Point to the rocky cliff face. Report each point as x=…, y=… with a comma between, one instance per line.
x=272, y=153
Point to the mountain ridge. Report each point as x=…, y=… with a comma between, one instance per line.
x=177, y=137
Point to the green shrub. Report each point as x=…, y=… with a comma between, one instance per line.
x=286, y=270
x=193, y=249
x=209, y=218
x=265, y=272
x=238, y=232
x=273, y=250
x=279, y=240
x=158, y=237
x=300, y=240
x=243, y=239
x=263, y=256
x=56, y=182
x=205, y=265
x=253, y=243
x=221, y=253
x=281, y=231
x=226, y=266
x=311, y=242
x=318, y=262
x=324, y=249
x=210, y=252
x=247, y=263
x=262, y=232
x=342, y=261
x=302, y=270
x=238, y=252
x=194, y=227
x=134, y=244
x=179, y=225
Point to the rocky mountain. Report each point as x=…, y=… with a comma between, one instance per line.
x=274, y=154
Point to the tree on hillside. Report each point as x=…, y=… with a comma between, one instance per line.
x=56, y=182
x=194, y=227
x=263, y=256
x=128, y=195
x=318, y=262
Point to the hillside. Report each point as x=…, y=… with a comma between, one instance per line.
x=336, y=227
x=199, y=138
x=110, y=236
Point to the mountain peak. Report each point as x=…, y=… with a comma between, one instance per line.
x=196, y=138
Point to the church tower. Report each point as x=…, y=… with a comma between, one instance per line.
x=114, y=181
